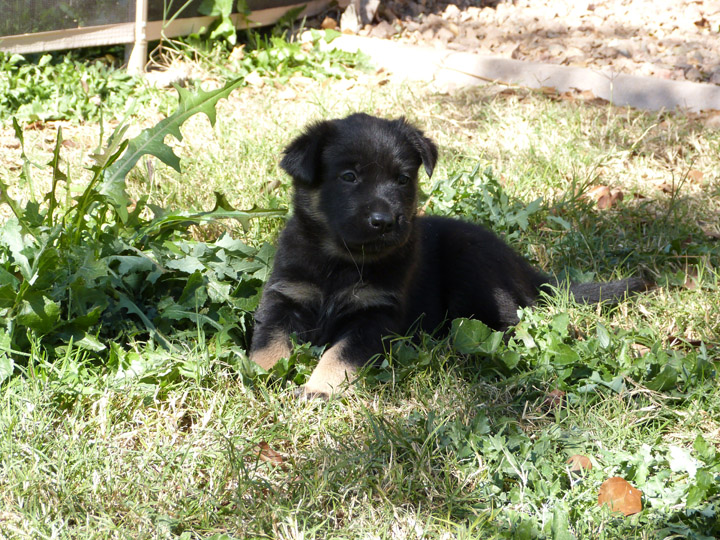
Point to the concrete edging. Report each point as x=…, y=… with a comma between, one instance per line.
x=448, y=70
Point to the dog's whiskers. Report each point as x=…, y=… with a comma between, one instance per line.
x=352, y=258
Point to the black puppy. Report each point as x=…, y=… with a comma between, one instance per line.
x=355, y=263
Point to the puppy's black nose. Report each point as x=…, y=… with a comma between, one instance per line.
x=381, y=221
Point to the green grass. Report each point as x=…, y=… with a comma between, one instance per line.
x=454, y=437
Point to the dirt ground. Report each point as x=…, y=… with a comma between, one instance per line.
x=670, y=39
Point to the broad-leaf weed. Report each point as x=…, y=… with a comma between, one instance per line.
x=106, y=269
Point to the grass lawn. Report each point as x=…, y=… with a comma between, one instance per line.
x=466, y=436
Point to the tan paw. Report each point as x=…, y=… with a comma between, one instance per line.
x=331, y=376
x=268, y=356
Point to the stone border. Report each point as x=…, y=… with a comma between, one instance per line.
x=448, y=70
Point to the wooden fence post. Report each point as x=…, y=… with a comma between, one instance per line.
x=138, y=54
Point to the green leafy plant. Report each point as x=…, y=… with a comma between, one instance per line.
x=478, y=196
x=275, y=56
x=107, y=268
x=223, y=27
x=598, y=363
x=63, y=87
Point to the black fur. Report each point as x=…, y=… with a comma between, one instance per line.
x=355, y=263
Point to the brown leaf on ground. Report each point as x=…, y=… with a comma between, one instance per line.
x=265, y=453
x=584, y=96
x=663, y=186
x=328, y=23
x=620, y=496
x=37, y=124
x=695, y=176
x=683, y=343
x=555, y=398
x=579, y=463
x=271, y=186
x=605, y=197
x=691, y=278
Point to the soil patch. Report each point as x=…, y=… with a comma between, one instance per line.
x=669, y=39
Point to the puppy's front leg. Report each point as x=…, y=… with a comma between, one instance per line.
x=333, y=370
x=350, y=352
x=270, y=346
x=276, y=318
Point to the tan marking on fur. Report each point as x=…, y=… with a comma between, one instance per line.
x=277, y=348
x=301, y=292
x=331, y=374
x=367, y=296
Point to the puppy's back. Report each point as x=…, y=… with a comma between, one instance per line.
x=465, y=270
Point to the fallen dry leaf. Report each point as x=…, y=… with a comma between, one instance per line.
x=691, y=278
x=555, y=398
x=579, y=463
x=604, y=196
x=663, y=186
x=271, y=186
x=713, y=120
x=265, y=453
x=37, y=124
x=328, y=23
x=620, y=496
x=683, y=343
x=695, y=176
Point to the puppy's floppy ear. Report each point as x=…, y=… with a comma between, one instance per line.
x=303, y=156
x=425, y=147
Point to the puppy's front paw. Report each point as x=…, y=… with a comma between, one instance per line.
x=274, y=347
x=330, y=377
x=304, y=394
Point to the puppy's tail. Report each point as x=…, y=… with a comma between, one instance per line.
x=611, y=291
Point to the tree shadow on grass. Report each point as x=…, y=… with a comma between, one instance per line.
x=463, y=444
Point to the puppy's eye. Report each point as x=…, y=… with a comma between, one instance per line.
x=348, y=176
x=403, y=179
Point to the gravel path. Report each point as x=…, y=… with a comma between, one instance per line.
x=670, y=39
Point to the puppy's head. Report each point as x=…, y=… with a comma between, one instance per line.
x=356, y=179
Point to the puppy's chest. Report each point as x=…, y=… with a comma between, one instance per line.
x=335, y=298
